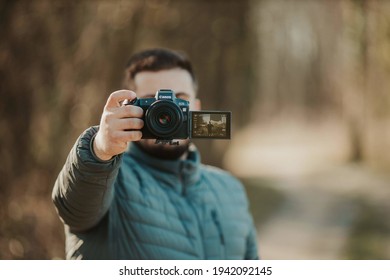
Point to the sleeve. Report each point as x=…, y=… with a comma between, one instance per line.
x=84, y=187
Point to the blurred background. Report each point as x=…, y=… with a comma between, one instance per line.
x=308, y=83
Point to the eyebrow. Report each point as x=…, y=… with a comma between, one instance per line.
x=176, y=94
x=182, y=93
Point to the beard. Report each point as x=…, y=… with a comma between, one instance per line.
x=164, y=151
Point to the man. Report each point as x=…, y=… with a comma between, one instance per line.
x=210, y=128
x=121, y=197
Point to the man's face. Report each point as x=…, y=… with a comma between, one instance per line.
x=180, y=81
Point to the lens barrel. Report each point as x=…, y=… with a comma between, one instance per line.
x=163, y=118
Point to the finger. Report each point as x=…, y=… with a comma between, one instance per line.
x=130, y=123
x=129, y=111
x=115, y=98
x=128, y=136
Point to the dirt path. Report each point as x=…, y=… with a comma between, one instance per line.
x=315, y=220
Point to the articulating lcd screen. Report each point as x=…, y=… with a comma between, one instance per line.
x=214, y=125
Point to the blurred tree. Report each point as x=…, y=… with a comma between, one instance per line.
x=59, y=61
x=327, y=60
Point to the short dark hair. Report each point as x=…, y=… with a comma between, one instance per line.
x=156, y=60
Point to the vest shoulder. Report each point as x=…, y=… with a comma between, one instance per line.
x=221, y=175
x=213, y=170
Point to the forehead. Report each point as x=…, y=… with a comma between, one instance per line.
x=179, y=80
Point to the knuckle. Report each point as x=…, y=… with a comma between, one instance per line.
x=110, y=98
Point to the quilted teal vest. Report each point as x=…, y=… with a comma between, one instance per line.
x=139, y=207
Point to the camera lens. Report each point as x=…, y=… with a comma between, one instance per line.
x=163, y=118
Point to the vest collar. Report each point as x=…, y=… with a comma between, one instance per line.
x=184, y=172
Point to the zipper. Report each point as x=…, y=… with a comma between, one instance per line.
x=214, y=216
x=199, y=227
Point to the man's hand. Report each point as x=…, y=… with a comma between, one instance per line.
x=112, y=137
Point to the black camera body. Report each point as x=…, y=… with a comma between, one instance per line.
x=165, y=116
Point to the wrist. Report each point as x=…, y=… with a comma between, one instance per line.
x=98, y=152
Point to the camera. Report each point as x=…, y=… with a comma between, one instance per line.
x=167, y=117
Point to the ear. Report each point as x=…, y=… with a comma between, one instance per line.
x=197, y=105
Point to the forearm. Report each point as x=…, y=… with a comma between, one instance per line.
x=83, y=190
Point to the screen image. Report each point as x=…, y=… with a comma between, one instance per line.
x=215, y=125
